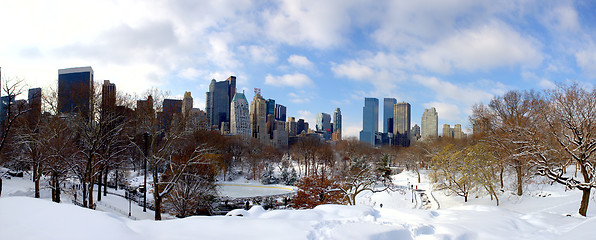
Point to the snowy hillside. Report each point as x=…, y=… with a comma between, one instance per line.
x=542, y=214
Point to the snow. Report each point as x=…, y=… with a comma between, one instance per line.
x=546, y=212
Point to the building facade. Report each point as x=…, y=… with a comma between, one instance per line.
x=337, y=125
x=240, y=116
x=280, y=112
x=75, y=91
x=258, y=118
x=401, y=123
x=388, y=114
x=430, y=124
x=370, y=120
x=218, y=101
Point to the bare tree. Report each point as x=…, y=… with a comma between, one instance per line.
x=11, y=89
x=569, y=121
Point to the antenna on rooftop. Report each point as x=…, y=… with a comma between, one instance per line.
x=257, y=91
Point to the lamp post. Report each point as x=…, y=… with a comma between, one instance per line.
x=129, y=197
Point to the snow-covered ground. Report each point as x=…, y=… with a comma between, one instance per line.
x=546, y=212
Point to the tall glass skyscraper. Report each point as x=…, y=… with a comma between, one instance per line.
x=370, y=120
x=388, y=114
x=218, y=101
x=75, y=91
x=337, y=120
x=401, y=123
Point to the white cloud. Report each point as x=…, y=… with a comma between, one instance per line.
x=585, y=60
x=445, y=90
x=351, y=130
x=296, y=80
x=562, y=18
x=446, y=111
x=488, y=46
x=353, y=70
x=314, y=23
x=300, y=61
x=300, y=97
x=308, y=117
x=260, y=54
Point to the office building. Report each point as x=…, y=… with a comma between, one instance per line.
x=240, y=116
x=75, y=91
x=337, y=125
x=258, y=118
x=388, y=114
x=415, y=133
x=218, y=101
x=34, y=98
x=323, y=125
x=301, y=127
x=370, y=120
x=187, y=104
x=430, y=124
x=270, y=106
x=291, y=127
x=108, y=99
x=280, y=112
x=401, y=123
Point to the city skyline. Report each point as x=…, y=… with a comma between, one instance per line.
x=310, y=57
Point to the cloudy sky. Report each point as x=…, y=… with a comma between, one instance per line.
x=310, y=55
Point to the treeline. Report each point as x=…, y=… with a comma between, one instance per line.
x=182, y=158
x=517, y=136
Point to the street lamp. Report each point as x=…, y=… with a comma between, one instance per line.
x=128, y=194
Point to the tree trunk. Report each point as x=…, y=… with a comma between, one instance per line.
x=116, y=179
x=158, y=208
x=105, y=182
x=0, y=186
x=37, y=195
x=501, y=177
x=583, y=208
x=99, y=179
x=84, y=197
x=36, y=178
x=518, y=171
x=90, y=192
x=57, y=187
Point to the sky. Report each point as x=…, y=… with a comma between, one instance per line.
x=311, y=56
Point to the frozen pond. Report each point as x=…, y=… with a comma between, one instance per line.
x=240, y=190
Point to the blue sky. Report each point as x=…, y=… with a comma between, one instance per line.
x=312, y=56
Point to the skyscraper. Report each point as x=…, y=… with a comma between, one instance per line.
x=415, y=133
x=337, y=125
x=187, y=104
x=218, y=101
x=370, y=120
x=301, y=127
x=324, y=125
x=108, y=99
x=240, y=117
x=280, y=112
x=171, y=108
x=270, y=106
x=401, y=123
x=388, y=114
x=337, y=120
x=258, y=118
x=35, y=104
x=430, y=123
x=291, y=126
x=75, y=91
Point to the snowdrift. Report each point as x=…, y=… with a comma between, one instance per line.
x=29, y=218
